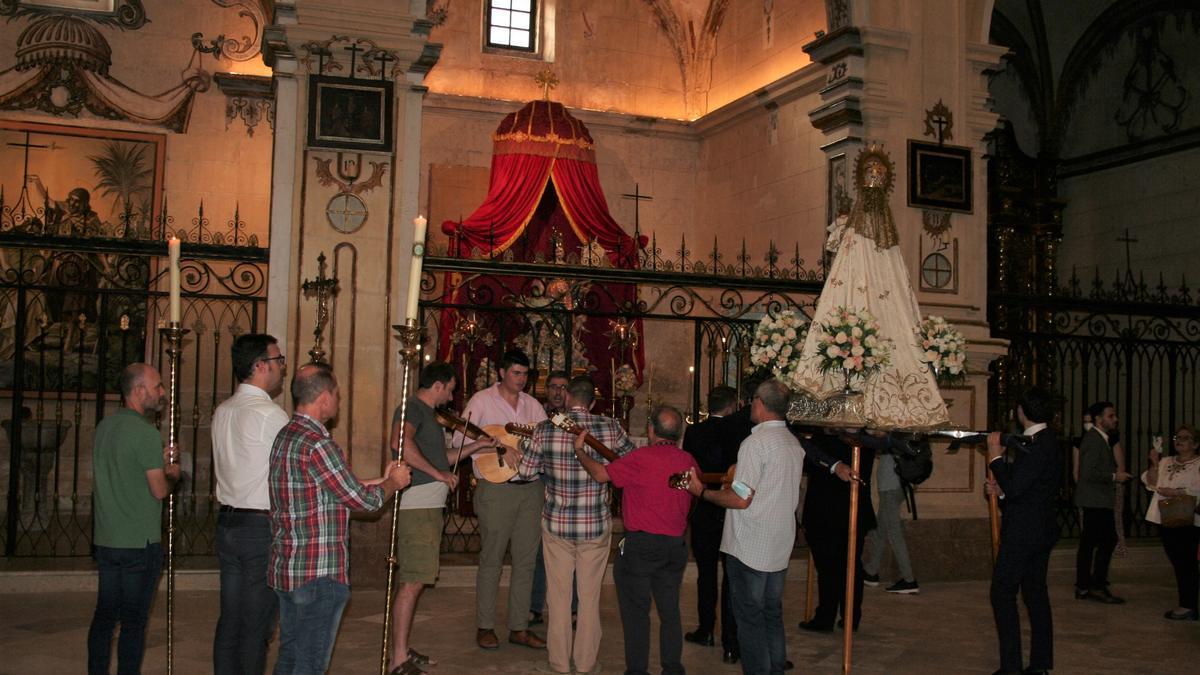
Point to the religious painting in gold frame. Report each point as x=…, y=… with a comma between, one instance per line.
x=349, y=114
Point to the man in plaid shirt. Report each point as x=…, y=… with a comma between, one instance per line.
x=576, y=527
x=312, y=494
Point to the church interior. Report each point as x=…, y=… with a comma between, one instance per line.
x=636, y=190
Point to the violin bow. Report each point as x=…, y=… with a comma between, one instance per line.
x=462, y=442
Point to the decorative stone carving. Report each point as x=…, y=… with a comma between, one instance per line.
x=694, y=48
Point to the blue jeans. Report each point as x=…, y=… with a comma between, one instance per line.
x=248, y=605
x=309, y=617
x=758, y=608
x=128, y=578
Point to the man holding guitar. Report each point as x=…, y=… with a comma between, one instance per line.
x=576, y=523
x=420, y=525
x=509, y=509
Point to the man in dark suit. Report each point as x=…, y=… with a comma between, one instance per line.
x=714, y=443
x=826, y=519
x=1027, y=482
x=1096, y=495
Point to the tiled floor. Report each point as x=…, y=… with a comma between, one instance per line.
x=946, y=629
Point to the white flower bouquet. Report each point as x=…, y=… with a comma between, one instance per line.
x=943, y=348
x=851, y=344
x=625, y=380
x=777, y=343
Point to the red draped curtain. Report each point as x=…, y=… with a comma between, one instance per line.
x=530, y=196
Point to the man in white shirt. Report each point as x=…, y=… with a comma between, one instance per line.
x=243, y=428
x=760, y=529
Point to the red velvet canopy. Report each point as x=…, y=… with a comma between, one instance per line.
x=544, y=180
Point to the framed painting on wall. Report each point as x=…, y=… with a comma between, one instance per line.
x=939, y=176
x=349, y=114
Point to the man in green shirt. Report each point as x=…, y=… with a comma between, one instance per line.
x=132, y=472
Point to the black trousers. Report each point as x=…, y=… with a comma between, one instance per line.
x=1097, y=539
x=708, y=523
x=249, y=606
x=829, y=555
x=650, y=566
x=1021, y=566
x=1180, y=544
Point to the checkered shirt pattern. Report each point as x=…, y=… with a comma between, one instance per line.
x=312, y=493
x=576, y=506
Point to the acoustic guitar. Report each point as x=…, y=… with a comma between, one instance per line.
x=572, y=427
x=499, y=465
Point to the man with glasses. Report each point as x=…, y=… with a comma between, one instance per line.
x=243, y=428
x=556, y=402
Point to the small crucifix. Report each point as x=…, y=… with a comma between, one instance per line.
x=547, y=80
x=323, y=287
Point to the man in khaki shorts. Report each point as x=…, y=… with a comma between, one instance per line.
x=420, y=524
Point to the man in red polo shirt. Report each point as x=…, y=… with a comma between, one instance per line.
x=653, y=553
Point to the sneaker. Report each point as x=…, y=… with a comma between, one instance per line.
x=870, y=579
x=903, y=586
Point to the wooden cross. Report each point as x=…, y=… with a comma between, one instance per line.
x=547, y=80
x=323, y=287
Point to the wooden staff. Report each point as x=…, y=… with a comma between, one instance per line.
x=994, y=517
x=851, y=568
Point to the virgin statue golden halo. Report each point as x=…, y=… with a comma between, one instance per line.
x=874, y=169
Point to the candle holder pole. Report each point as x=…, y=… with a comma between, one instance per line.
x=173, y=333
x=410, y=337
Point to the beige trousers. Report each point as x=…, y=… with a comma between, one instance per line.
x=510, y=516
x=586, y=560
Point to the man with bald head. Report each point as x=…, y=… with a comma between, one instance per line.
x=312, y=493
x=131, y=473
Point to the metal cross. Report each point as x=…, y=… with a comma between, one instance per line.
x=27, y=145
x=637, y=198
x=1127, y=240
x=354, y=49
x=384, y=58
x=323, y=287
x=547, y=80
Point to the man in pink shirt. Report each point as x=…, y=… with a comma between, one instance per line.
x=510, y=513
x=653, y=553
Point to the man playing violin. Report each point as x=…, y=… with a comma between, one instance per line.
x=420, y=525
x=576, y=524
x=509, y=512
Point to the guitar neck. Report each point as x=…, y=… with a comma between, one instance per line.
x=600, y=448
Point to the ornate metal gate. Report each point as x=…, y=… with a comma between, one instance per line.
x=73, y=313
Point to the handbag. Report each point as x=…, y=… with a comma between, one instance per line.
x=1177, y=511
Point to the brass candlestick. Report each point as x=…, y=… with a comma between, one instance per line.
x=410, y=336
x=322, y=287
x=173, y=333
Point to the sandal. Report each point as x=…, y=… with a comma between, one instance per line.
x=420, y=659
x=407, y=668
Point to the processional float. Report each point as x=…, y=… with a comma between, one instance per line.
x=860, y=366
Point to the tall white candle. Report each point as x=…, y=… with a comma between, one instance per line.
x=173, y=253
x=414, y=275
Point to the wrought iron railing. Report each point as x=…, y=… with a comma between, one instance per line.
x=73, y=313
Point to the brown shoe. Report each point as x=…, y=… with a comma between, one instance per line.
x=526, y=638
x=486, y=639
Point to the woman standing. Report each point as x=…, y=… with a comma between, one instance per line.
x=1177, y=478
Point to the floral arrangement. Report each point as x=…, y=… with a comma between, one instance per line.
x=777, y=343
x=625, y=380
x=850, y=343
x=943, y=348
